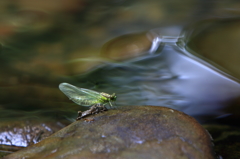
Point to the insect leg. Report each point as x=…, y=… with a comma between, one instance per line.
x=110, y=104
x=103, y=108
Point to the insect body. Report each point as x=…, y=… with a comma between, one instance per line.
x=94, y=109
x=86, y=97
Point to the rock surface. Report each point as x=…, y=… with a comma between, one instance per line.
x=127, y=132
x=18, y=134
x=226, y=140
x=217, y=41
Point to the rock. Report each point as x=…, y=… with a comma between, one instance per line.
x=217, y=41
x=127, y=132
x=127, y=46
x=18, y=134
x=226, y=140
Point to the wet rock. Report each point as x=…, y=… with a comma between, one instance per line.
x=217, y=40
x=127, y=46
x=226, y=140
x=15, y=135
x=127, y=132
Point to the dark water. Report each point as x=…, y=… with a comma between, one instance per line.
x=169, y=57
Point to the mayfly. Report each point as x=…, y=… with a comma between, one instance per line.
x=87, y=97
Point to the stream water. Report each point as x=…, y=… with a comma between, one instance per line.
x=183, y=55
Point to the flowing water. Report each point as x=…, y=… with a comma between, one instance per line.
x=183, y=55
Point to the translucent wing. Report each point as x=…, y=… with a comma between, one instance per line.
x=80, y=96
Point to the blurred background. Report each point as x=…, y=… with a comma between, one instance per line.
x=179, y=54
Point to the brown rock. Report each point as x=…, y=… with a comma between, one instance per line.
x=127, y=46
x=127, y=132
x=218, y=41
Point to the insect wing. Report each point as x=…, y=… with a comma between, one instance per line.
x=89, y=92
x=80, y=96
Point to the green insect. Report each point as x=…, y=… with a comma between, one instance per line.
x=86, y=97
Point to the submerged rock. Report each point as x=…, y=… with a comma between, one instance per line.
x=127, y=132
x=18, y=134
x=226, y=140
